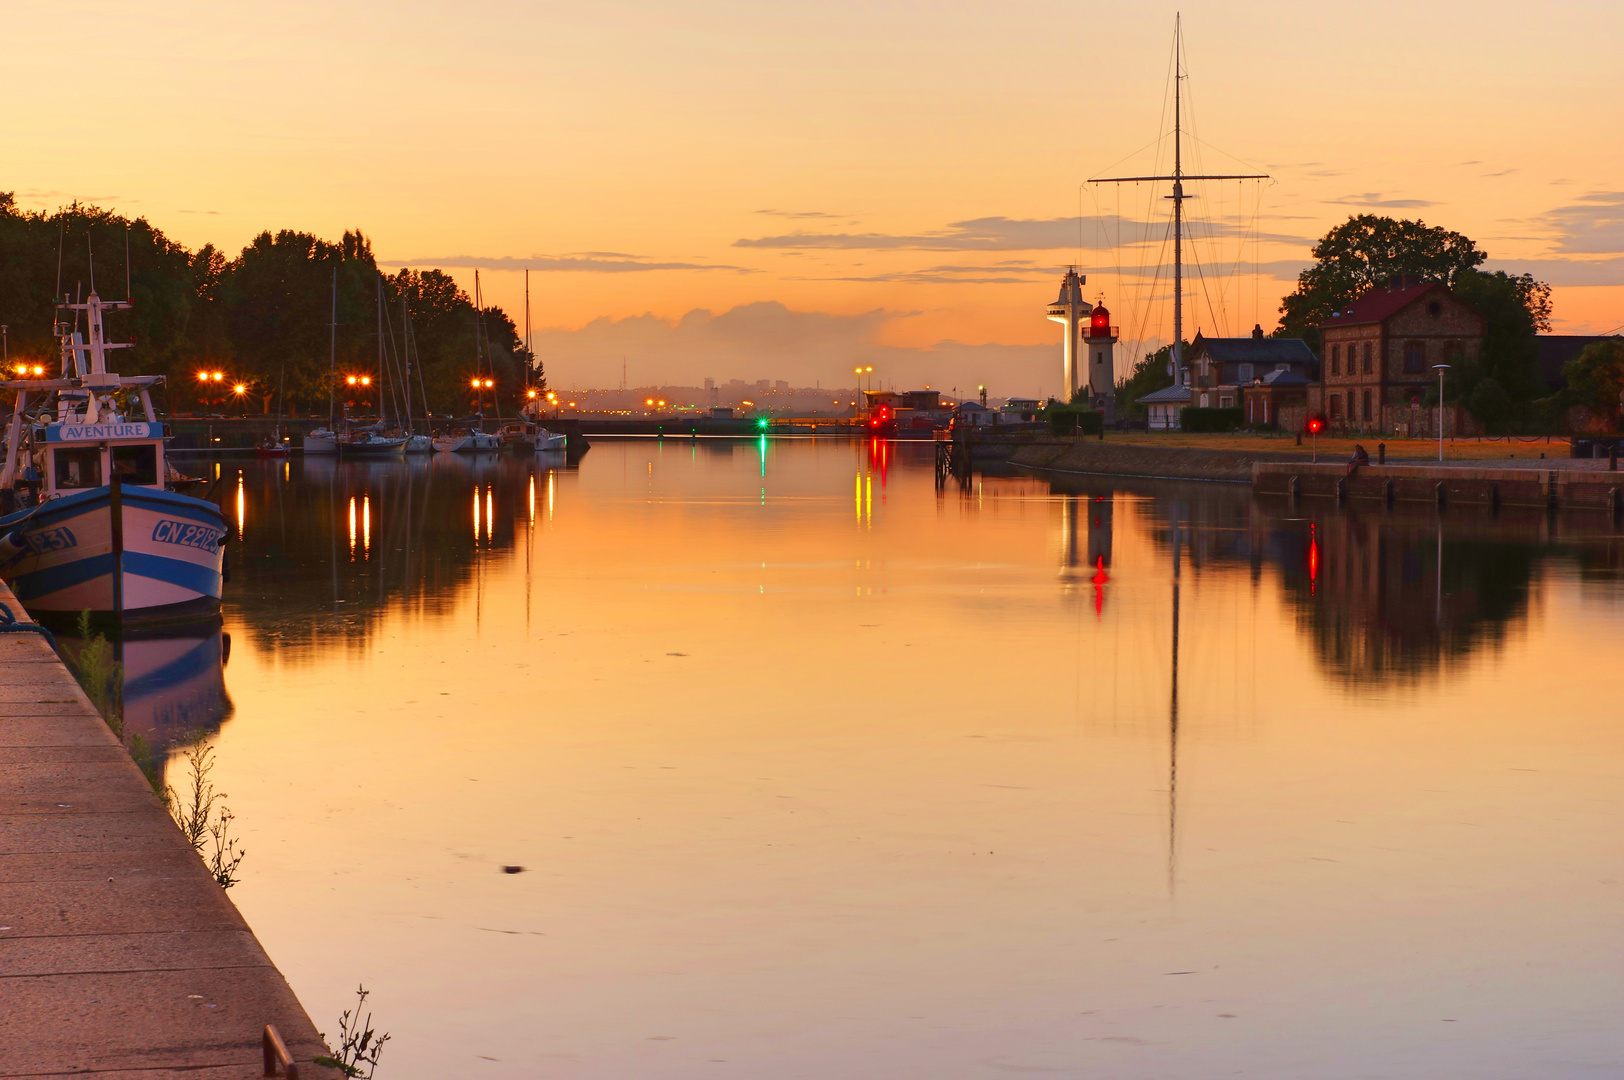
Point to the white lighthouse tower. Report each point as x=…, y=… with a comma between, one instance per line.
x=1070, y=310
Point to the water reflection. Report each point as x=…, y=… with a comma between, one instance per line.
x=173, y=680
x=971, y=782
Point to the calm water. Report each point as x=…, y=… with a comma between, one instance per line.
x=816, y=771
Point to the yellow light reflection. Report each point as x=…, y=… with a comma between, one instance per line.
x=859, y=500
x=869, y=508
x=366, y=525
x=242, y=502
x=476, y=513
x=552, y=486
x=532, y=499
x=352, y=528
x=490, y=516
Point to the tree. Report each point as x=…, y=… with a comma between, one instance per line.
x=1148, y=376
x=1514, y=310
x=1363, y=252
x=262, y=317
x=1596, y=378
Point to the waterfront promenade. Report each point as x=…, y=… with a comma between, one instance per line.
x=119, y=955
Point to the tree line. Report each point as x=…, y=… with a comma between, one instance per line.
x=1502, y=386
x=261, y=317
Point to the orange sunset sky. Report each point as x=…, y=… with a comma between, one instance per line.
x=747, y=190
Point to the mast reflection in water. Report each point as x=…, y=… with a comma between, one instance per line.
x=818, y=770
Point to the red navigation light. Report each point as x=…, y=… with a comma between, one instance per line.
x=1315, y=425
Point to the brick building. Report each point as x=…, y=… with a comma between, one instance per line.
x=1377, y=356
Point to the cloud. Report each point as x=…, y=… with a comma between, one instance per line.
x=1024, y=273
x=1592, y=226
x=591, y=262
x=768, y=340
x=1502, y=172
x=1565, y=272
x=1374, y=200
x=214, y=212
x=39, y=195
x=1002, y=234
x=802, y=215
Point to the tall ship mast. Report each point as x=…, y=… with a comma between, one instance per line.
x=1178, y=178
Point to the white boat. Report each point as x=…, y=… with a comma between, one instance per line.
x=62, y=548
x=419, y=444
x=526, y=437
x=465, y=441
x=367, y=442
x=321, y=441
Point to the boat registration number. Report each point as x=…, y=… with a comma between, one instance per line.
x=51, y=540
x=187, y=534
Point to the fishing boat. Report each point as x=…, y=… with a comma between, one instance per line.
x=88, y=517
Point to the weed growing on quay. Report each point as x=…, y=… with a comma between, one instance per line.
x=359, y=1046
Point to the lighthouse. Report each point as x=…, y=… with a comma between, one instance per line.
x=1099, y=342
x=1070, y=310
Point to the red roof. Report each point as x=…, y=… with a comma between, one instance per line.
x=1378, y=305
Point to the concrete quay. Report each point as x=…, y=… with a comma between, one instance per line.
x=1555, y=485
x=119, y=955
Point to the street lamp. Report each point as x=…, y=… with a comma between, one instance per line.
x=1440, y=369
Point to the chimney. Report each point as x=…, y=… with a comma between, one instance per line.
x=1257, y=331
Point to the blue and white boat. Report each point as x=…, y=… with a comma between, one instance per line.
x=68, y=438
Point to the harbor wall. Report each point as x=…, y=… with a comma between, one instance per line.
x=1106, y=458
x=1561, y=489
x=121, y=956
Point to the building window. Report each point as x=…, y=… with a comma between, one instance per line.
x=1336, y=406
x=1367, y=361
x=1415, y=357
x=1203, y=401
x=1246, y=373
x=1336, y=359
x=1367, y=401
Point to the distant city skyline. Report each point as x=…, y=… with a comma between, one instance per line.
x=702, y=188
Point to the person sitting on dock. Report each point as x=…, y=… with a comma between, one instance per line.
x=1361, y=456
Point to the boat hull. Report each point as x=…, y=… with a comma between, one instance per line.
x=372, y=448
x=320, y=444
x=62, y=554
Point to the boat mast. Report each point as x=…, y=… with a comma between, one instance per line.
x=381, y=416
x=332, y=351
x=406, y=351
x=1178, y=197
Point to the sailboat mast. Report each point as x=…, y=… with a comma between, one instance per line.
x=527, y=354
x=1178, y=204
x=406, y=352
x=380, y=348
x=332, y=351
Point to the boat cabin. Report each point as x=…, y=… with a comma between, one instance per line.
x=79, y=456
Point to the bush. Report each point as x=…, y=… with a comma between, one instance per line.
x=1194, y=418
x=1074, y=420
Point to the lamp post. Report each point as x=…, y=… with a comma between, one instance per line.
x=1440, y=369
